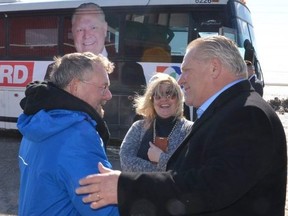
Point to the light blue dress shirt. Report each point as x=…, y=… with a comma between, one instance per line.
x=207, y=103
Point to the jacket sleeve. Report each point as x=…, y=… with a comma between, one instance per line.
x=81, y=152
x=175, y=140
x=217, y=166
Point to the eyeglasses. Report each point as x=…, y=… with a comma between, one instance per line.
x=166, y=95
x=105, y=88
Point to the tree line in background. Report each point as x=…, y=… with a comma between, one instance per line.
x=279, y=105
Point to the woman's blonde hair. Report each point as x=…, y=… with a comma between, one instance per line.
x=144, y=104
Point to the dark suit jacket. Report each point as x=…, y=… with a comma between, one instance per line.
x=256, y=84
x=233, y=163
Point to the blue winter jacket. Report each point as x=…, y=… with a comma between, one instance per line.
x=58, y=148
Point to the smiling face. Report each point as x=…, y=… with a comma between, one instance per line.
x=165, y=100
x=93, y=88
x=195, y=79
x=89, y=32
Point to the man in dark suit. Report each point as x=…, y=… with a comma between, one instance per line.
x=255, y=82
x=233, y=163
x=89, y=30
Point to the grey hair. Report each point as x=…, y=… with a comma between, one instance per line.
x=223, y=49
x=87, y=8
x=77, y=65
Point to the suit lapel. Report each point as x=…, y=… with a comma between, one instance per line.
x=220, y=101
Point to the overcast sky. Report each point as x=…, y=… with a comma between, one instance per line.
x=270, y=20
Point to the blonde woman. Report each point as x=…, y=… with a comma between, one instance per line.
x=150, y=142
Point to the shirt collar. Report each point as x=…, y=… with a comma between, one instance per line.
x=207, y=103
x=252, y=76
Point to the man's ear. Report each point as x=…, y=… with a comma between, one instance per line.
x=216, y=68
x=73, y=86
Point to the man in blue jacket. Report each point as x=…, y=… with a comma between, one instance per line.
x=60, y=142
x=233, y=162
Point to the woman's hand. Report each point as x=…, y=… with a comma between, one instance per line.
x=154, y=153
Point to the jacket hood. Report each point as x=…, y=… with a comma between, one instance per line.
x=45, y=95
x=45, y=124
